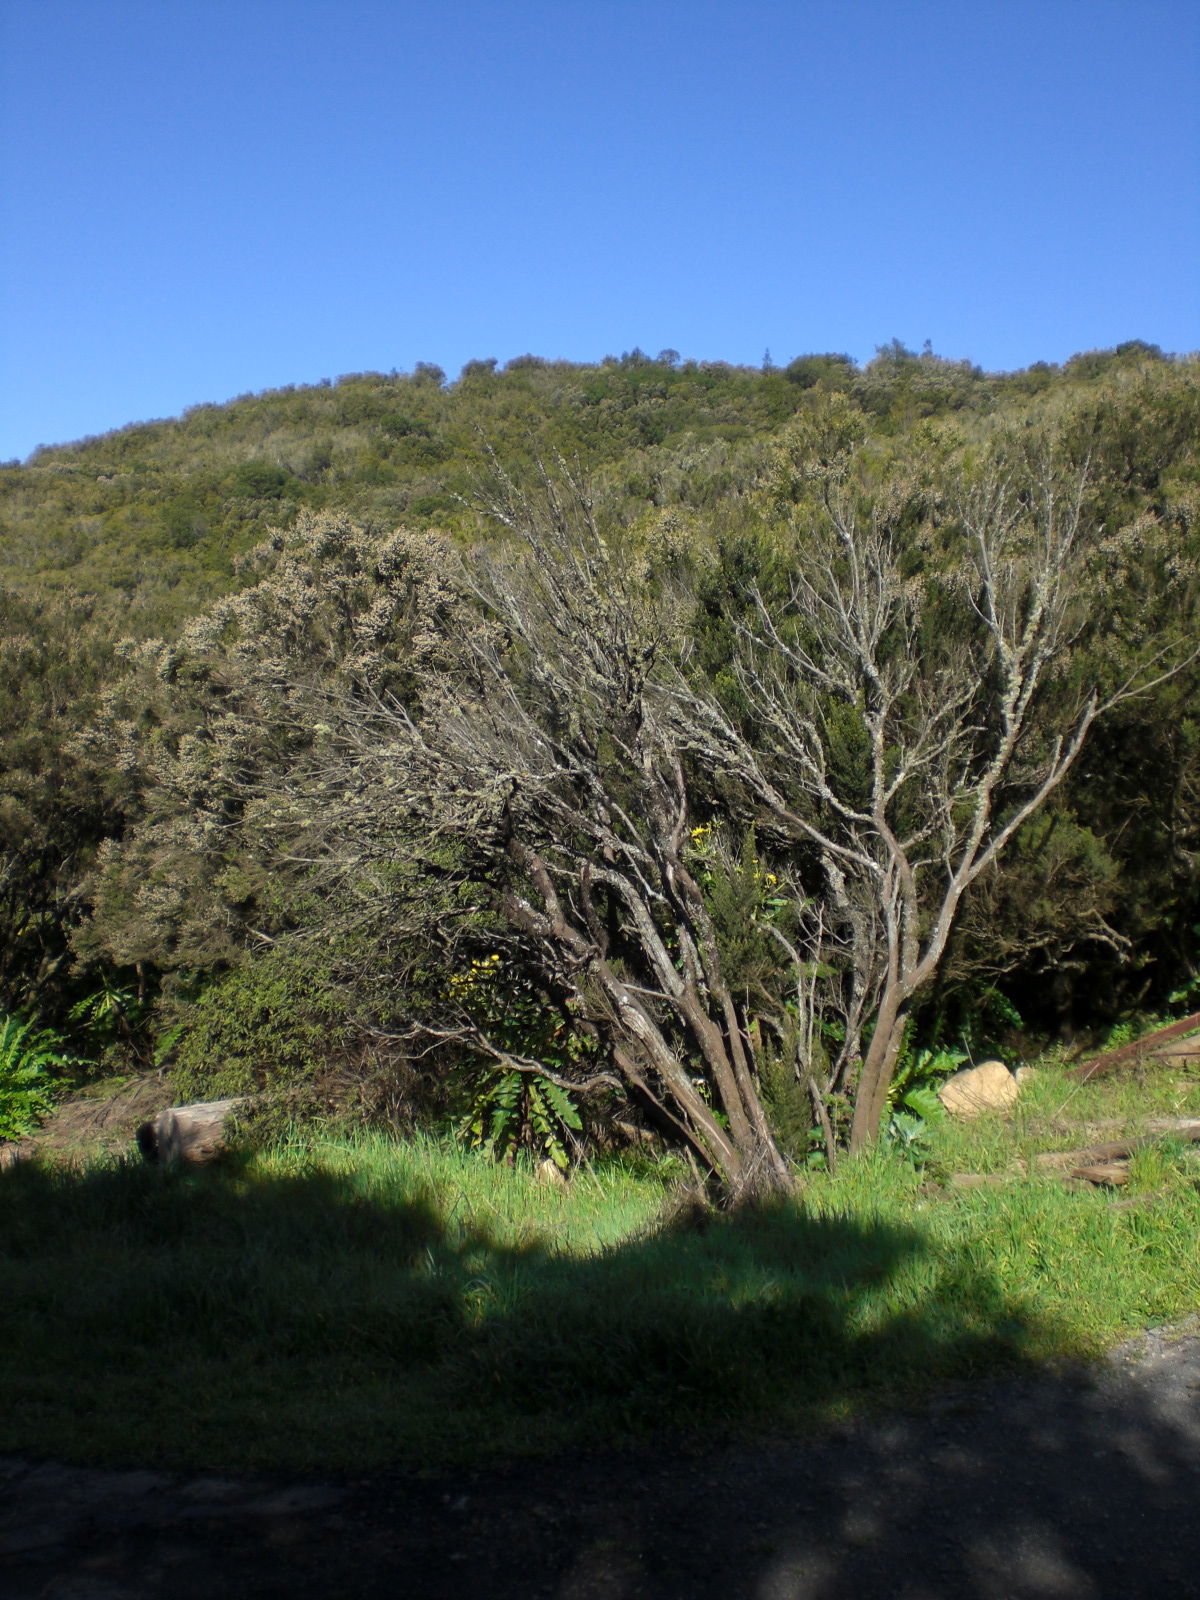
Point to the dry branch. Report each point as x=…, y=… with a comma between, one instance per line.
x=1128, y=1054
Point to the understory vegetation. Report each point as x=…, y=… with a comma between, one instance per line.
x=653, y=756
x=342, y=1302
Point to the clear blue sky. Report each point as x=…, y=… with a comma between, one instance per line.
x=202, y=198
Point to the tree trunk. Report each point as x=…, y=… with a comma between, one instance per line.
x=870, y=1101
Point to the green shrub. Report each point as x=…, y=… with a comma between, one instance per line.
x=913, y=1103
x=514, y=1111
x=274, y=1023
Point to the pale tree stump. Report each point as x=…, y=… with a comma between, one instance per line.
x=187, y=1135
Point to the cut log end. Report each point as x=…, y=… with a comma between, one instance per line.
x=189, y=1136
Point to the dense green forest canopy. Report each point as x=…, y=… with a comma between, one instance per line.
x=180, y=600
x=154, y=516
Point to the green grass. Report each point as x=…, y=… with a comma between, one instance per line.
x=345, y=1303
x=1057, y=1112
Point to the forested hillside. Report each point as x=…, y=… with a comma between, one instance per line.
x=653, y=743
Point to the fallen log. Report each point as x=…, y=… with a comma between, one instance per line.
x=1164, y=1127
x=1129, y=1054
x=1101, y=1164
x=1110, y=1174
x=1179, y=1052
x=1105, y=1174
x=188, y=1135
x=1186, y=1129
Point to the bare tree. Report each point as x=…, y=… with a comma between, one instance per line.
x=556, y=740
x=457, y=759
x=911, y=703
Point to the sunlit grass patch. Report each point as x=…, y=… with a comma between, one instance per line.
x=1058, y=1112
x=513, y=1204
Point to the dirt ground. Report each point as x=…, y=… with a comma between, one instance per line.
x=1078, y=1486
x=100, y=1120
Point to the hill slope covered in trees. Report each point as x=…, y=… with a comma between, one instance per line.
x=688, y=732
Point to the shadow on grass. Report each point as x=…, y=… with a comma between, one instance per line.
x=231, y=1319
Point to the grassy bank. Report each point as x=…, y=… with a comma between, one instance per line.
x=345, y=1303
